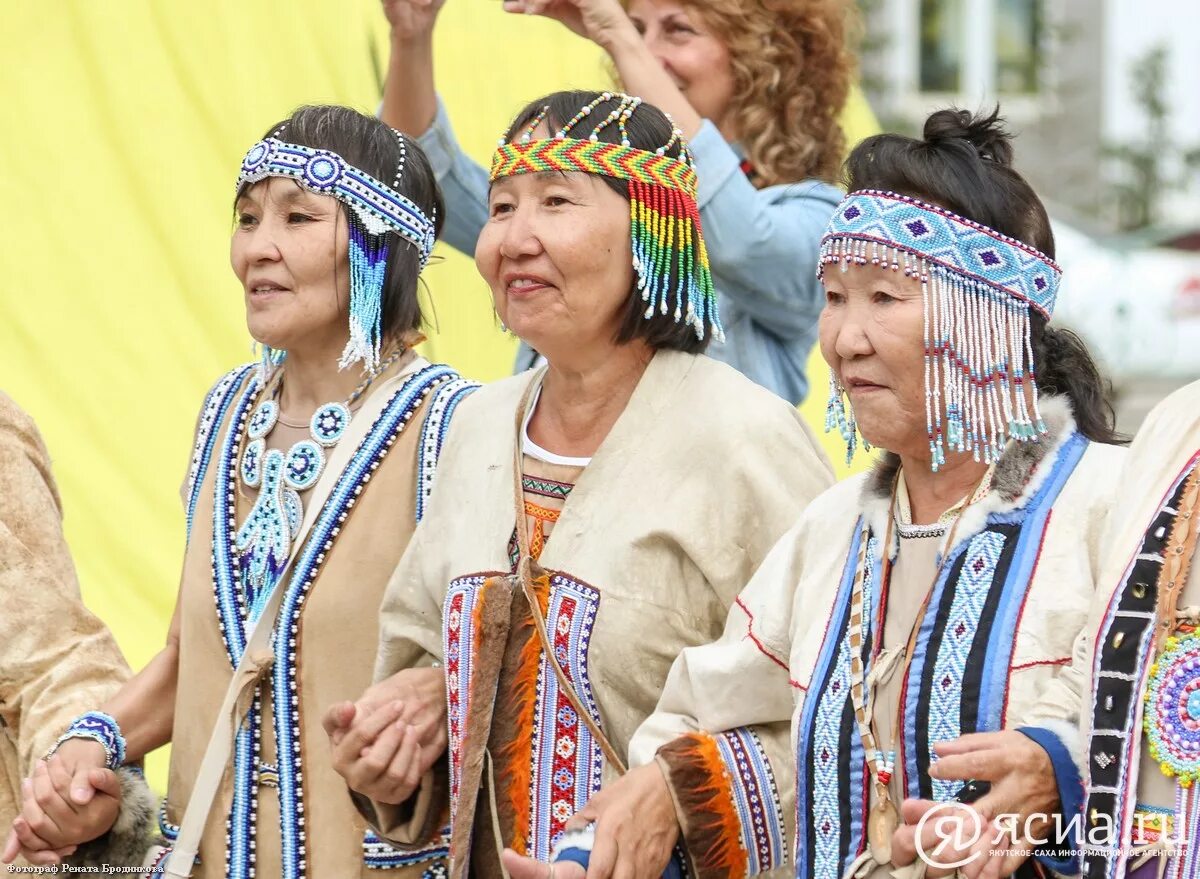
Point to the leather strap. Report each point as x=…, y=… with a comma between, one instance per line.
x=1177, y=558
x=528, y=570
x=258, y=657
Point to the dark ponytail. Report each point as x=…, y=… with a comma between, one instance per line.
x=964, y=163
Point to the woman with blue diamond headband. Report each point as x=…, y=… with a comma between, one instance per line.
x=309, y=472
x=938, y=594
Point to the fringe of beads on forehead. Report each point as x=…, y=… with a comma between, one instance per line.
x=375, y=210
x=978, y=287
x=669, y=255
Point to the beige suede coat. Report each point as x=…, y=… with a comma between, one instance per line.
x=699, y=476
x=289, y=813
x=756, y=731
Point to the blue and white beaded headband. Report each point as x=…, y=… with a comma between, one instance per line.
x=978, y=288
x=379, y=206
x=376, y=209
x=876, y=222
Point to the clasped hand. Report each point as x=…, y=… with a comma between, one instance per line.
x=384, y=743
x=71, y=798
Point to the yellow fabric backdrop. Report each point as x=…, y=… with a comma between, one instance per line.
x=125, y=124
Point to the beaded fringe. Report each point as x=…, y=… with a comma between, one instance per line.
x=670, y=259
x=980, y=385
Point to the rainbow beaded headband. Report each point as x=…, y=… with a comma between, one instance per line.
x=375, y=209
x=669, y=255
x=978, y=288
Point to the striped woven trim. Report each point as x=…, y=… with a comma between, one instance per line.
x=594, y=157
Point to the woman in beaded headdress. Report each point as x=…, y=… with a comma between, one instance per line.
x=308, y=475
x=631, y=486
x=934, y=596
x=756, y=87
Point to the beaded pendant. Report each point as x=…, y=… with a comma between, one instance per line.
x=1172, y=715
x=264, y=541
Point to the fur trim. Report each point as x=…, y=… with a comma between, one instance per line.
x=126, y=844
x=1017, y=478
x=512, y=725
x=701, y=788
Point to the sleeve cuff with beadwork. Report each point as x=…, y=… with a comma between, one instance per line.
x=416, y=822
x=727, y=803
x=1057, y=854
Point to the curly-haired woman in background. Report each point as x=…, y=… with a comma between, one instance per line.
x=756, y=86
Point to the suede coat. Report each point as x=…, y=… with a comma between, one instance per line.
x=756, y=732
x=283, y=811
x=700, y=474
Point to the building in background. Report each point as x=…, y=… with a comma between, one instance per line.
x=1103, y=95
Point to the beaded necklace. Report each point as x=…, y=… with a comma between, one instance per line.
x=885, y=817
x=263, y=543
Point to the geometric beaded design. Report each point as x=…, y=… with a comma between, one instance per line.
x=1172, y=715
x=378, y=205
x=755, y=797
x=945, y=239
x=329, y=423
x=234, y=616
x=945, y=698
x=566, y=762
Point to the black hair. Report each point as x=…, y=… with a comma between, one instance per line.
x=963, y=163
x=647, y=129
x=370, y=145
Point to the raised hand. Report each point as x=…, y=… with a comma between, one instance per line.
x=601, y=21
x=411, y=18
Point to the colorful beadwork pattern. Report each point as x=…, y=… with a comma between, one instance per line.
x=945, y=696
x=1122, y=657
x=212, y=413
x=378, y=205
x=566, y=762
x=887, y=222
x=433, y=435
x=234, y=616
x=595, y=157
x=458, y=643
x=756, y=799
x=1172, y=714
x=670, y=258
x=978, y=287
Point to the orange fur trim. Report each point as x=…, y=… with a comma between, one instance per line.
x=515, y=709
x=702, y=787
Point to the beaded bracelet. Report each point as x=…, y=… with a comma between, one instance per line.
x=99, y=727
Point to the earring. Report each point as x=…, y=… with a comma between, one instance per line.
x=268, y=359
x=836, y=415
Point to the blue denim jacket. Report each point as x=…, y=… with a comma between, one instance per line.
x=762, y=246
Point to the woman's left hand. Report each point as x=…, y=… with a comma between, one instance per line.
x=602, y=21
x=636, y=831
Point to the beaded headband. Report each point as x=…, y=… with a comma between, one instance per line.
x=978, y=288
x=669, y=255
x=375, y=209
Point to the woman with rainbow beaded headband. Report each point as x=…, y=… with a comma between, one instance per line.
x=756, y=86
x=909, y=606
x=632, y=485
x=308, y=475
